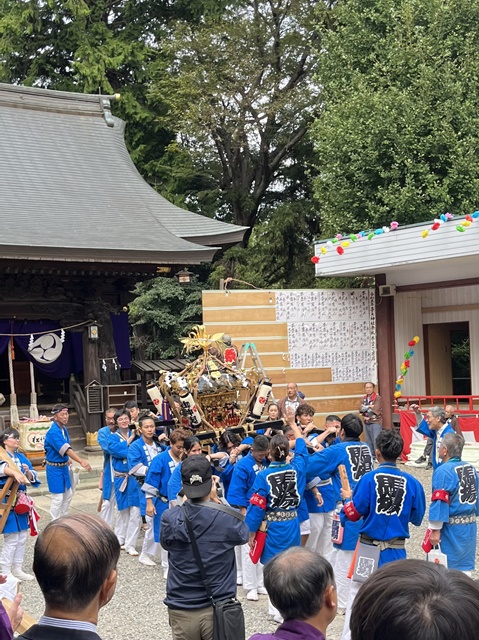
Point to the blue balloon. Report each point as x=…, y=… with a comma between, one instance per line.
x=443, y=217
x=475, y=214
x=411, y=352
x=378, y=232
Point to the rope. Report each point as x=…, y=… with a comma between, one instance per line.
x=40, y=333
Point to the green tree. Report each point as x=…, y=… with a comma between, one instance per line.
x=161, y=314
x=239, y=91
x=398, y=134
x=93, y=46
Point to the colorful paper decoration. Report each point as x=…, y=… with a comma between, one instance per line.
x=405, y=365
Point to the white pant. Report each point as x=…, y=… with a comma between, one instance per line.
x=252, y=573
x=60, y=503
x=341, y=561
x=13, y=550
x=128, y=523
x=107, y=511
x=150, y=547
x=320, y=537
x=353, y=590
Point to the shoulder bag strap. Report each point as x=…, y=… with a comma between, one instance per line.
x=225, y=508
x=196, y=553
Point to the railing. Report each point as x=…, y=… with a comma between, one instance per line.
x=79, y=402
x=461, y=404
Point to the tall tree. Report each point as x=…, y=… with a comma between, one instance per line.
x=398, y=134
x=239, y=90
x=161, y=314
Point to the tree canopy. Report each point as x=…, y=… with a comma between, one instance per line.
x=238, y=89
x=397, y=136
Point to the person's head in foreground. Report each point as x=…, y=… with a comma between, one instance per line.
x=74, y=562
x=416, y=600
x=300, y=584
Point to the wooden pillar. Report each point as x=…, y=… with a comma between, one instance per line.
x=385, y=351
x=91, y=371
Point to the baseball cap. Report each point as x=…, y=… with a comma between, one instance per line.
x=196, y=476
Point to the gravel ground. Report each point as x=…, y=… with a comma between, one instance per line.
x=137, y=610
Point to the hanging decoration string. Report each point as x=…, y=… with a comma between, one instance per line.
x=113, y=360
x=41, y=333
x=405, y=366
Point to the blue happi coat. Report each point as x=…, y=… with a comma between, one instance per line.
x=57, y=443
x=357, y=459
x=156, y=486
x=139, y=459
x=242, y=480
x=455, y=492
x=384, y=502
x=103, y=435
x=436, y=437
x=127, y=490
x=17, y=522
x=278, y=489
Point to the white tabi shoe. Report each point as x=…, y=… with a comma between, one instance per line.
x=252, y=595
x=131, y=551
x=262, y=591
x=145, y=559
x=21, y=575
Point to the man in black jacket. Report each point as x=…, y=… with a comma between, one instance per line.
x=74, y=562
x=217, y=533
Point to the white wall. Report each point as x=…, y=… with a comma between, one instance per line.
x=413, y=310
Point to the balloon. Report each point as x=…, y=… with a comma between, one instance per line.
x=425, y=233
x=470, y=218
x=449, y=216
x=345, y=244
x=378, y=232
x=443, y=217
x=370, y=236
x=334, y=240
x=340, y=250
x=411, y=352
x=339, y=236
x=416, y=339
x=353, y=237
x=329, y=243
x=323, y=250
x=466, y=223
x=475, y=214
x=394, y=225
x=407, y=355
x=315, y=259
x=407, y=364
x=397, y=394
x=411, y=343
x=435, y=226
x=460, y=228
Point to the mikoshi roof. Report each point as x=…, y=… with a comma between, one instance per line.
x=70, y=191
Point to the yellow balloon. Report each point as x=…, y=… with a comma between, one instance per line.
x=397, y=394
x=466, y=223
x=425, y=233
x=416, y=339
x=323, y=249
x=345, y=244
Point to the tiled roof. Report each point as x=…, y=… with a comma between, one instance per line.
x=68, y=185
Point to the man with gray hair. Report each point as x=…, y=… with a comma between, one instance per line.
x=454, y=505
x=300, y=584
x=435, y=426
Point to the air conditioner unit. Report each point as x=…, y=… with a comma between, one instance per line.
x=387, y=290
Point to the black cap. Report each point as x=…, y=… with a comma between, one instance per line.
x=196, y=475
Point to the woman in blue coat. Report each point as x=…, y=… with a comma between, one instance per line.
x=15, y=532
x=127, y=491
